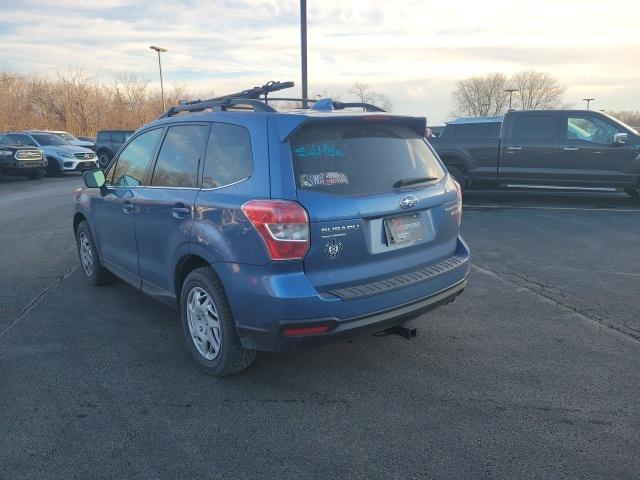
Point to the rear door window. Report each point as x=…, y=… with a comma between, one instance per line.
x=535, y=127
x=359, y=158
x=179, y=157
x=229, y=157
x=477, y=130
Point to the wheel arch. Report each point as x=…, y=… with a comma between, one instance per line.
x=185, y=265
x=78, y=218
x=454, y=159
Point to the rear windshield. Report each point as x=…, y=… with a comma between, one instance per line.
x=356, y=159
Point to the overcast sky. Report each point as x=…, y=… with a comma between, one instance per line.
x=411, y=50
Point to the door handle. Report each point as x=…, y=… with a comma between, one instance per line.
x=179, y=210
x=128, y=207
x=570, y=149
x=514, y=148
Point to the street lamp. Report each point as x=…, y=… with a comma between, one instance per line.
x=588, y=100
x=510, y=91
x=303, y=51
x=159, y=49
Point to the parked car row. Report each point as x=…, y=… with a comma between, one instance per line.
x=543, y=149
x=31, y=153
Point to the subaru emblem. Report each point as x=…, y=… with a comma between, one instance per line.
x=408, y=201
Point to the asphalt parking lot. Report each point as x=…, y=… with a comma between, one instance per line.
x=532, y=373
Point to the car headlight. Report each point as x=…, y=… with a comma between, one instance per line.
x=65, y=154
x=5, y=153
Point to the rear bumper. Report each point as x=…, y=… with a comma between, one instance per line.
x=265, y=304
x=272, y=338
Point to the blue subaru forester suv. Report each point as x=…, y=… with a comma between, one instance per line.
x=274, y=230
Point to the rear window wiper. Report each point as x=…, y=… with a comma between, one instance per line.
x=412, y=181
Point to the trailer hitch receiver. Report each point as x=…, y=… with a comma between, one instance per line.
x=401, y=330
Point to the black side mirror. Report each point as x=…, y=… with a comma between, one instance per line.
x=94, y=179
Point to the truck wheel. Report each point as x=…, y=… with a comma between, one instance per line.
x=208, y=327
x=103, y=158
x=458, y=176
x=53, y=169
x=35, y=175
x=95, y=273
x=632, y=192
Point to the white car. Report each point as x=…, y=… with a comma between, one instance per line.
x=67, y=137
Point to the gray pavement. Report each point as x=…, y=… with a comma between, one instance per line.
x=532, y=373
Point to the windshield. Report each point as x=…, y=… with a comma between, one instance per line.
x=49, y=139
x=67, y=136
x=17, y=139
x=621, y=123
x=360, y=158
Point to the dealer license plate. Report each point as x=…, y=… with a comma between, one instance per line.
x=403, y=228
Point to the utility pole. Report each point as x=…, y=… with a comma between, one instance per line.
x=303, y=51
x=160, y=49
x=588, y=100
x=510, y=91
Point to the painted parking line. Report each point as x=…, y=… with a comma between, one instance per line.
x=517, y=207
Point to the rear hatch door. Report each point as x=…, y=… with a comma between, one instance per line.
x=379, y=201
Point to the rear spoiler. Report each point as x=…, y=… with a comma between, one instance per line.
x=288, y=124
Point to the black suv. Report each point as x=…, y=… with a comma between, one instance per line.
x=16, y=159
x=108, y=143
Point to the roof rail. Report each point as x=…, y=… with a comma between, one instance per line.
x=257, y=99
x=368, y=107
x=249, y=97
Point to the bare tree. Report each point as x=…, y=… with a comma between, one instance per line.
x=628, y=117
x=537, y=90
x=480, y=95
x=363, y=92
x=485, y=95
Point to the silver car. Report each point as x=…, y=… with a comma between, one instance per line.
x=61, y=156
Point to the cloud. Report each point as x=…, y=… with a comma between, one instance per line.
x=411, y=50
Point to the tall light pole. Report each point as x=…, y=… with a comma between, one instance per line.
x=159, y=49
x=303, y=51
x=510, y=91
x=588, y=100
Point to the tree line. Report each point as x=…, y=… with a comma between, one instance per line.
x=75, y=101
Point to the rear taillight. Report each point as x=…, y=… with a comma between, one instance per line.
x=456, y=185
x=283, y=226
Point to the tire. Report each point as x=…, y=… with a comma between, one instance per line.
x=458, y=176
x=632, y=192
x=104, y=158
x=94, y=271
x=35, y=175
x=213, y=344
x=53, y=169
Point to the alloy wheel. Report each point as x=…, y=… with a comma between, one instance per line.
x=204, y=324
x=86, y=254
